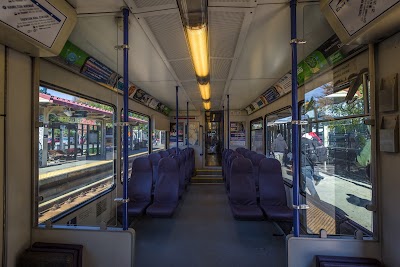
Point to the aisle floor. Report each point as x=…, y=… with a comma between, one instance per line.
x=203, y=232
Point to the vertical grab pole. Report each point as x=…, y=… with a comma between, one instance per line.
x=229, y=123
x=187, y=124
x=125, y=12
x=223, y=128
x=177, y=128
x=295, y=118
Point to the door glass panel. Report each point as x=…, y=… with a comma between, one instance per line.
x=214, y=138
x=335, y=159
x=280, y=124
x=256, y=135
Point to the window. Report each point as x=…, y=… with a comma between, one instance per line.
x=256, y=135
x=76, y=151
x=138, y=133
x=138, y=138
x=336, y=158
x=158, y=140
x=279, y=140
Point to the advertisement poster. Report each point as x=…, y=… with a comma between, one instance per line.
x=193, y=133
x=271, y=94
x=77, y=60
x=142, y=96
x=237, y=134
x=327, y=55
x=284, y=85
x=99, y=73
x=172, y=133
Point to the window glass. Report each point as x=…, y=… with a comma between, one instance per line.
x=138, y=138
x=335, y=159
x=279, y=140
x=76, y=151
x=158, y=140
x=256, y=136
x=138, y=133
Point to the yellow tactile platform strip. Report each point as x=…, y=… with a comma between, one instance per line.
x=317, y=219
x=80, y=167
x=73, y=169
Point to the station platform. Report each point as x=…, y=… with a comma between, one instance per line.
x=75, y=166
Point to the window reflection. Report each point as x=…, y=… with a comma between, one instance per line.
x=279, y=127
x=256, y=141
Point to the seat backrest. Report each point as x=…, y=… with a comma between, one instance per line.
x=163, y=153
x=248, y=154
x=170, y=150
x=188, y=164
x=232, y=157
x=272, y=189
x=154, y=159
x=255, y=159
x=241, y=150
x=167, y=186
x=140, y=184
x=225, y=159
x=242, y=187
x=180, y=159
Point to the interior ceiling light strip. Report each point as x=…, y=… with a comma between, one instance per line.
x=197, y=37
x=205, y=91
x=207, y=105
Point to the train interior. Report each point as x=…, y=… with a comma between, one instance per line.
x=174, y=133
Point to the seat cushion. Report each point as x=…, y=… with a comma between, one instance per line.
x=246, y=212
x=161, y=210
x=134, y=208
x=278, y=213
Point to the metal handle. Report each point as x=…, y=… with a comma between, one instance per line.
x=122, y=200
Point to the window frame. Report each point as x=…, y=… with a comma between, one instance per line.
x=35, y=152
x=262, y=129
x=368, y=113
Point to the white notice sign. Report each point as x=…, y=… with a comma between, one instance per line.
x=37, y=19
x=356, y=14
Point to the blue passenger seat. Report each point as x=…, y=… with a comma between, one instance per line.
x=242, y=195
x=166, y=191
x=180, y=159
x=272, y=191
x=255, y=159
x=139, y=187
x=163, y=153
x=154, y=159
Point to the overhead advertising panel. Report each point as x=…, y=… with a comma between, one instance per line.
x=37, y=19
x=77, y=60
x=327, y=55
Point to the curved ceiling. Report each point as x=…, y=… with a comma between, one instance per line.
x=249, y=45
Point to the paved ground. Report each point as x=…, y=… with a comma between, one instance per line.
x=348, y=195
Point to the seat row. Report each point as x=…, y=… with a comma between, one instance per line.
x=158, y=181
x=249, y=175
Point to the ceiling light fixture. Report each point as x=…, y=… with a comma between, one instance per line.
x=197, y=37
x=205, y=91
x=207, y=105
x=195, y=20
